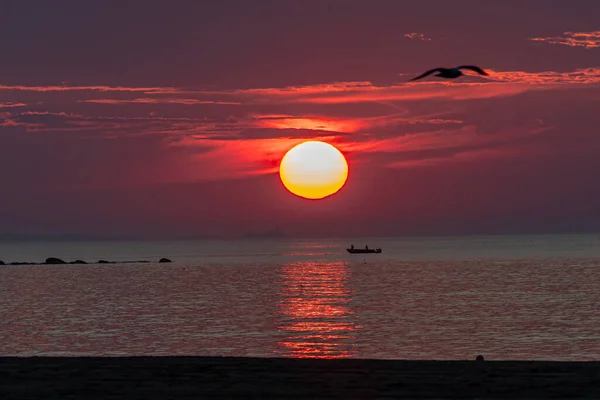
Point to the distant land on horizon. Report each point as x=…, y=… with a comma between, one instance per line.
x=12, y=237
x=274, y=234
x=270, y=234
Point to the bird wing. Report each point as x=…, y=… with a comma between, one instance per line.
x=431, y=71
x=473, y=68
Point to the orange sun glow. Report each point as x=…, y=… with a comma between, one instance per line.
x=313, y=170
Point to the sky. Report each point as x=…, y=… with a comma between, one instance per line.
x=160, y=119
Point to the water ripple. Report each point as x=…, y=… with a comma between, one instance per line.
x=504, y=309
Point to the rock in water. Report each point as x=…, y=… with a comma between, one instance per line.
x=54, y=260
x=2, y=262
x=78, y=262
x=164, y=260
x=103, y=262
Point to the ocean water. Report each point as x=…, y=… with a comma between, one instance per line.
x=506, y=297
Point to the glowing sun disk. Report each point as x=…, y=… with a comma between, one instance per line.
x=313, y=170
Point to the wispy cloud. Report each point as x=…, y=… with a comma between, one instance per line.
x=430, y=148
x=7, y=122
x=417, y=36
x=465, y=145
x=12, y=105
x=498, y=84
x=248, y=130
x=588, y=40
x=69, y=88
x=343, y=125
x=150, y=100
x=308, y=123
x=579, y=76
x=462, y=156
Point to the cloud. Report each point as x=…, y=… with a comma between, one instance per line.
x=248, y=125
x=56, y=114
x=499, y=84
x=342, y=125
x=468, y=156
x=417, y=36
x=6, y=122
x=67, y=88
x=12, y=105
x=249, y=130
x=230, y=159
x=150, y=100
x=579, y=76
x=466, y=145
x=226, y=159
x=308, y=123
x=588, y=40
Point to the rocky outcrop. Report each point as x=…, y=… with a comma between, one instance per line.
x=58, y=261
x=54, y=260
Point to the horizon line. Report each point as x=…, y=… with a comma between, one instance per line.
x=7, y=237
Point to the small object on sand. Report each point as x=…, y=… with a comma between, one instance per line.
x=164, y=260
x=479, y=358
x=54, y=260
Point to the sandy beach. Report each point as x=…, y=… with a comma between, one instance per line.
x=220, y=377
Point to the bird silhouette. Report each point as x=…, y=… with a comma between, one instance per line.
x=451, y=73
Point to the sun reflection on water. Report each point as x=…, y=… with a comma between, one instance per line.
x=316, y=316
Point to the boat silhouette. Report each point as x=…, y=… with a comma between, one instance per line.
x=363, y=251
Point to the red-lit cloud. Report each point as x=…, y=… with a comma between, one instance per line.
x=69, y=88
x=499, y=84
x=417, y=36
x=308, y=123
x=149, y=100
x=587, y=40
x=248, y=130
x=12, y=105
x=342, y=124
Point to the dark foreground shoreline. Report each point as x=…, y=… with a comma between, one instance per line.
x=265, y=378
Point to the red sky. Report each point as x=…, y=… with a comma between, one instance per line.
x=160, y=120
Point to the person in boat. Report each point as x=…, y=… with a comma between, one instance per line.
x=366, y=247
x=351, y=247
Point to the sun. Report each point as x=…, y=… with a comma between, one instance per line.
x=313, y=170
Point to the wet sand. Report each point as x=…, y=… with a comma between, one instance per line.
x=260, y=378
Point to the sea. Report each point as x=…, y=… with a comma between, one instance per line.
x=436, y=298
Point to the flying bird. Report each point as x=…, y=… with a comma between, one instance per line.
x=451, y=73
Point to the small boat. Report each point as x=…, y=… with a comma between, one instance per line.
x=363, y=251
